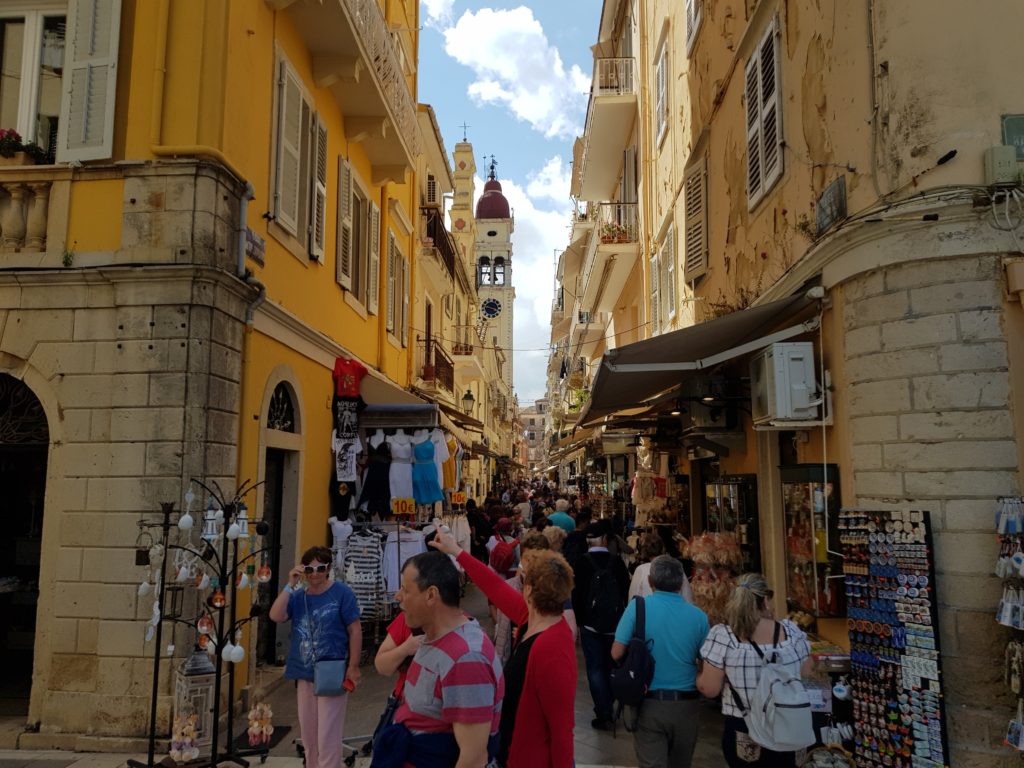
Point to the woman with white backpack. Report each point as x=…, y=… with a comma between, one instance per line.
x=753, y=661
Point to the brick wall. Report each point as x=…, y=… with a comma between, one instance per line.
x=929, y=413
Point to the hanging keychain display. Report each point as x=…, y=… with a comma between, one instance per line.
x=1009, y=566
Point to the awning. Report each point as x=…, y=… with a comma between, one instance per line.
x=378, y=390
x=479, y=449
x=461, y=418
x=460, y=434
x=635, y=373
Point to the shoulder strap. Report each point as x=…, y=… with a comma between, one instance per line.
x=775, y=642
x=640, y=625
x=735, y=696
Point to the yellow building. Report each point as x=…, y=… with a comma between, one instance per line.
x=228, y=202
x=836, y=179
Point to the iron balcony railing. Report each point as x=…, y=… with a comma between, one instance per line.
x=618, y=223
x=438, y=368
x=613, y=77
x=442, y=239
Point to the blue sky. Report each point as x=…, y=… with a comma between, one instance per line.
x=518, y=74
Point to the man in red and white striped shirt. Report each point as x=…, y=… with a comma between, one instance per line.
x=454, y=684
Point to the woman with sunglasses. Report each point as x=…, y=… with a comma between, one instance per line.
x=325, y=625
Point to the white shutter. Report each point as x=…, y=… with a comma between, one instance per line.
x=405, y=302
x=432, y=197
x=289, y=144
x=318, y=214
x=85, y=130
x=345, y=245
x=660, y=87
x=695, y=237
x=670, y=271
x=390, y=297
x=753, y=96
x=655, y=296
x=373, y=282
x=771, y=128
x=693, y=17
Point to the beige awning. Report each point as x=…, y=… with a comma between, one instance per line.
x=377, y=389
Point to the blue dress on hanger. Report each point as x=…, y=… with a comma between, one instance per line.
x=425, y=488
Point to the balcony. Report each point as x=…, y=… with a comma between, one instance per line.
x=441, y=244
x=24, y=211
x=610, y=117
x=611, y=255
x=587, y=330
x=467, y=353
x=438, y=370
x=354, y=55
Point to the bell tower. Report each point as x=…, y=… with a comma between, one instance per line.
x=494, y=227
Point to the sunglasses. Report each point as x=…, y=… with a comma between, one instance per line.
x=314, y=569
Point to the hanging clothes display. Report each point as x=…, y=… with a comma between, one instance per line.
x=347, y=403
x=426, y=489
x=342, y=496
x=400, y=469
x=440, y=455
x=376, y=495
x=340, y=532
x=364, y=572
x=448, y=470
x=399, y=547
x=346, y=456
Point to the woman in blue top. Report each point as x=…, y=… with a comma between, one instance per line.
x=325, y=625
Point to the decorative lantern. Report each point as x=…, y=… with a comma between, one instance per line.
x=193, y=693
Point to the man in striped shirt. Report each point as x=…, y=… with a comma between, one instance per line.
x=454, y=685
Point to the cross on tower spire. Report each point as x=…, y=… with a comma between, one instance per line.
x=493, y=174
x=464, y=127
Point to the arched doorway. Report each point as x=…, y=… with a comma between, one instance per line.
x=24, y=442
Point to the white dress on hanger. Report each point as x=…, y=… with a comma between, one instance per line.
x=400, y=472
x=441, y=454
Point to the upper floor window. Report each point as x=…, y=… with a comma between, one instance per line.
x=668, y=266
x=694, y=15
x=655, y=314
x=764, y=116
x=661, y=91
x=483, y=274
x=695, y=237
x=499, y=271
x=397, y=309
x=358, y=243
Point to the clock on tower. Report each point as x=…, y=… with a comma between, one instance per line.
x=490, y=308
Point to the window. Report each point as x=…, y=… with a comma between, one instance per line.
x=483, y=275
x=695, y=236
x=358, y=244
x=397, y=298
x=764, y=118
x=32, y=56
x=499, y=271
x=661, y=92
x=694, y=14
x=655, y=297
x=300, y=173
x=668, y=264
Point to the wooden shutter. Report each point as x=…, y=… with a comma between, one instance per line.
x=289, y=148
x=390, y=297
x=661, y=87
x=628, y=189
x=771, y=117
x=752, y=94
x=318, y=214
x=695, y=237
x=373, y=267
x=693, y=13
x=85, y=130
x=655, y=296
x=432, y=196
x=669, y=257
x=345, y=245
x=405, y=302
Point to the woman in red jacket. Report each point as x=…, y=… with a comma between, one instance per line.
x=537, y=714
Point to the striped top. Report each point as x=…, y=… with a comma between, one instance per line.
x=454, y=679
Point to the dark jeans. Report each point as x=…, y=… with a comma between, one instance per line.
x=597, y=650
x=768, y=759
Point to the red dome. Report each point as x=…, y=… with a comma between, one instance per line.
x=492, y=203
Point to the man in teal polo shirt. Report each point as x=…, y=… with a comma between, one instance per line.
x=667, y=725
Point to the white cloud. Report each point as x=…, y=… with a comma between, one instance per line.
x=439, y=13
x=540, y=231
x=516, y=67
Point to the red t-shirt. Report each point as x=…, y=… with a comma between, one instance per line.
x=399, y=632
x=347, y=375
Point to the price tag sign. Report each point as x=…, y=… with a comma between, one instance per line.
x=458, y=497
x=403, y=506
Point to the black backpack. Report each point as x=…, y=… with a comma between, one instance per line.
x=606, y=605
x=631, y=680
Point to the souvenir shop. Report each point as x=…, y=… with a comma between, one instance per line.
x=738, y=492
x=397, y=474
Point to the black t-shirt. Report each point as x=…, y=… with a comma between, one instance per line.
x=515, y=679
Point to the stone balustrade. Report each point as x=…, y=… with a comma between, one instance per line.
x=24, y=215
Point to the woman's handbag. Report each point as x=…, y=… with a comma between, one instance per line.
x=328, y=674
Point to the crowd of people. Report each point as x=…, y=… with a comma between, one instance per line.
x=554, y=576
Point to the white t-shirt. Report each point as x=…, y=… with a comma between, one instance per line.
x=640, y=586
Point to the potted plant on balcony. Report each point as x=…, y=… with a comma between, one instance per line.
x=613, y=232
x=13, y=151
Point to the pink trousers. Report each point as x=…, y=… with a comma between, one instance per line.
x=322, y=725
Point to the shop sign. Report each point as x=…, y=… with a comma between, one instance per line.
x=458, y=497
x=403, y=506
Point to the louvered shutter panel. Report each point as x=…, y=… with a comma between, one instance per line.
x=432, y=197
x=405, y=302
x=771, y=118
x=390, y=298
x=660, y=87
x=628, y=190
x=289, y=144
x=691, y=22
x=373, y=282
x=695, y=231
x=85, y=130
x=670, y=272
x=753, y=97
x=655, y=296
x=345, y=245
x=319, y=212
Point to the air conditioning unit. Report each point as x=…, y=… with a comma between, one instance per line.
x=782, y=385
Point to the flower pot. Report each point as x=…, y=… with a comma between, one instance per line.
x=18, y=158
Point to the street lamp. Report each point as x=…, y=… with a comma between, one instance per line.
x=468, y=401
